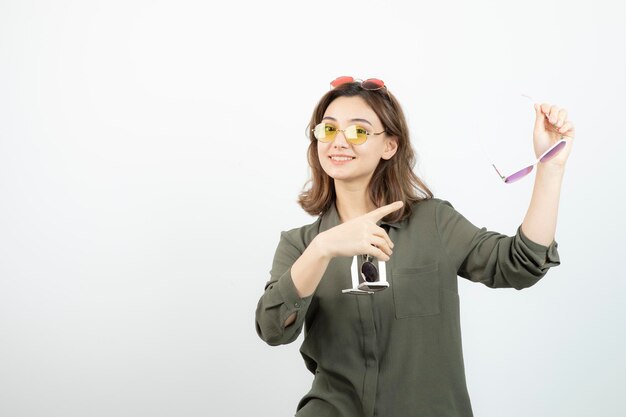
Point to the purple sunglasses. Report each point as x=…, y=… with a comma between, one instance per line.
x=546, y=156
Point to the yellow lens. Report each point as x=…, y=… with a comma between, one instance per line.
x=325, y=132
x=356, y=135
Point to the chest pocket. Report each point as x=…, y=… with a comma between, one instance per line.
x=416, y=291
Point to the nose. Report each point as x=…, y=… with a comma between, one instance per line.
x=340, y=143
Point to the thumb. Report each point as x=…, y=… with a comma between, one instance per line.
x=540, y=118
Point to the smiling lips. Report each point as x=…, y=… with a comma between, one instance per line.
x=340, y=159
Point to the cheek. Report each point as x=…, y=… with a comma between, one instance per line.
x=320, y=151
x=370, y=152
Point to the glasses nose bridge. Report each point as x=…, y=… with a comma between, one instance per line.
x=343, y=134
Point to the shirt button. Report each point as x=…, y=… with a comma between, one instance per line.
x=296, y=305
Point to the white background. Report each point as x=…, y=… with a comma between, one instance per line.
x=152, y=151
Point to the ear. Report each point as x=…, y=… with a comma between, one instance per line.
x=391, y=147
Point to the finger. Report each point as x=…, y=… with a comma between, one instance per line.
x=565, y=127
x=561, y=117
x=381, y=212
x=379, y=231
x=570, y=132
x=377, y=253
x=545, y=109
x=554, y=114
x=381, y=244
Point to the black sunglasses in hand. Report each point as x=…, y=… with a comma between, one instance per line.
x=371, y=279
x=369, y=272
x=368, y=276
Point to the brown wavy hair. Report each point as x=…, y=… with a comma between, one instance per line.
x=393, y=179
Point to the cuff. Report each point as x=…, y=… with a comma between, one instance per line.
x=544, y=256
x=292, y=302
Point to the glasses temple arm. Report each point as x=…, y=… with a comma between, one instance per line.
x=498, y=172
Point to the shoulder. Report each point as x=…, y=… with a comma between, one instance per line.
x=429, y=205
x=428, y=212
x=300, y=237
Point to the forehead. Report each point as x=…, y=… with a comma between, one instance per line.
x=347, y=108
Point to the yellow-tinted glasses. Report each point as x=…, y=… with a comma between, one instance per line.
x=355, y=134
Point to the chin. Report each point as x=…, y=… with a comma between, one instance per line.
x=344, y=176
x=336, y=173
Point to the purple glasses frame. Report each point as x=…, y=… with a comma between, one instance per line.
x=546, y=156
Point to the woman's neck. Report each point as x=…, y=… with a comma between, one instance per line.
x=352, y=200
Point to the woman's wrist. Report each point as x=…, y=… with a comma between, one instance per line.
x=551, y=169
x=319, y=248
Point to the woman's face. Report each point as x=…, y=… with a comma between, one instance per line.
x=344, y=161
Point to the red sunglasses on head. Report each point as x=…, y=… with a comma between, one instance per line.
x=371, y=84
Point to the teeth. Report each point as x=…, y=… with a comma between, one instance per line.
x=341, y=158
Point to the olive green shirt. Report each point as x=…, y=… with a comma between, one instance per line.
x=397, y=352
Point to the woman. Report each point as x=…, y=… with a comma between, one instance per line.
x=396, y=351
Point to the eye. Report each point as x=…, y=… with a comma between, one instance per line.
x=361, y=130
x=324, y=132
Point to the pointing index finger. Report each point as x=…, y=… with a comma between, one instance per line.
x=381, y=212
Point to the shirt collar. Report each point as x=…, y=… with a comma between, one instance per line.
x=331, y=219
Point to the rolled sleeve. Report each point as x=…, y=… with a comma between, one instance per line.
x=544, y=256
x=491, y=258
x=280, y=299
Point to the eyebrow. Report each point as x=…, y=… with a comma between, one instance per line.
x=352, y=120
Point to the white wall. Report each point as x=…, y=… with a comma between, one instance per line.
x=152, y=151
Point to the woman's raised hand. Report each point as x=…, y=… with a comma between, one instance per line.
x=360, y=236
